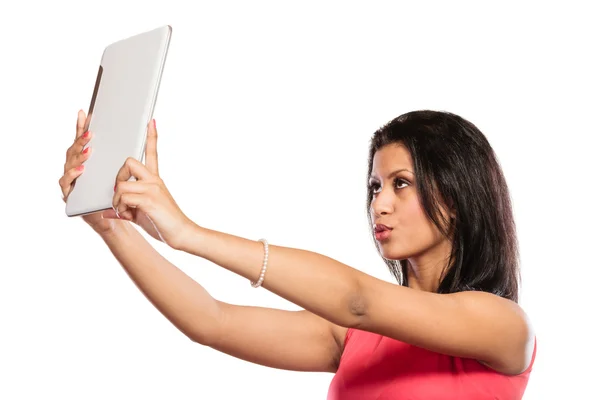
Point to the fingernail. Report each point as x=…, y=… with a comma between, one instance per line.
x=80, y=167
x=85, y=135
x=115, y=187
x=86, y=150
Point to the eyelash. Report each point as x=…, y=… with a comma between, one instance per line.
x=372, y=185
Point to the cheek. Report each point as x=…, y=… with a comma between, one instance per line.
x=414, y=233
x=412, y=217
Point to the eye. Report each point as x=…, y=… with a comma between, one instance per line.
x=397, y=181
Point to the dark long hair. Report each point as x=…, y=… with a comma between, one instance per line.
x=457, y=169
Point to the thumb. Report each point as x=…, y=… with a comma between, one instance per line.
x=110, y=214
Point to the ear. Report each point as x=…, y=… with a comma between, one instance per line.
x=451, y=215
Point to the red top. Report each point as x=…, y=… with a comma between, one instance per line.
x=376, y=367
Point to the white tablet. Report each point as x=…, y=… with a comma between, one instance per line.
x=122, y=105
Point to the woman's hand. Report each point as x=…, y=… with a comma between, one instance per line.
x=147, y=201
x=74, y=166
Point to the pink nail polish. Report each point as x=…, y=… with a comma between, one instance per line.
x=85, y=135
x=86, y=150
x=80, y=167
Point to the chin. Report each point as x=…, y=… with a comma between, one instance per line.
x=397, y=250
x=391, y=254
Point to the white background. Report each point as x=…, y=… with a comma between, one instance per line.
x=264, y=117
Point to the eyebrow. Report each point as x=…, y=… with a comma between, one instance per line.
x=394, y=173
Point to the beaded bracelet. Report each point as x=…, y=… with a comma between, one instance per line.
x=264, y=266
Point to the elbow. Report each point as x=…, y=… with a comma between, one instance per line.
x=205, y=338
x=196, y=337
x=207, y=331
x=201, y=341
x=356, y=306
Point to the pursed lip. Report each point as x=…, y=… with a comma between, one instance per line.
x=381, y=228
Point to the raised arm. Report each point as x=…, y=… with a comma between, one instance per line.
x=478, y=325
x=293, y=340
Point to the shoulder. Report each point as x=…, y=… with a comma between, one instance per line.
x=486, y=299
x=510, y=320
x=469, y=324
x=510, y=313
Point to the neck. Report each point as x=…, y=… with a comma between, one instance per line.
x=425, y=271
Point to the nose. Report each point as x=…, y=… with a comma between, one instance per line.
x=382, y=204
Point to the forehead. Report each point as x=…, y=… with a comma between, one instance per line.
x=390, y=158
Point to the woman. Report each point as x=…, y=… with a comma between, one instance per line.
x=442, y=221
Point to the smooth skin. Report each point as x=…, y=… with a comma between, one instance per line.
x=333, y=295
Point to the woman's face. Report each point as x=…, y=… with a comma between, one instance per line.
x=395, y=204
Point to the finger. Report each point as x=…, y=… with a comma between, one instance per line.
x=109, y=214
x=67, y=179
x=151, y=153
x=113, y=214
x=80, y=142
x=82, y=136
x=127, y=215
x=132, y=200
x=77, y=154
x=133, y=167
x=125, y=187
x=80, y=124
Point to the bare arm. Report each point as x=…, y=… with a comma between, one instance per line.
x=294, y=340
x=474, y=325
x=276, y=338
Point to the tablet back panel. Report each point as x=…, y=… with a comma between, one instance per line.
x=122, y=106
